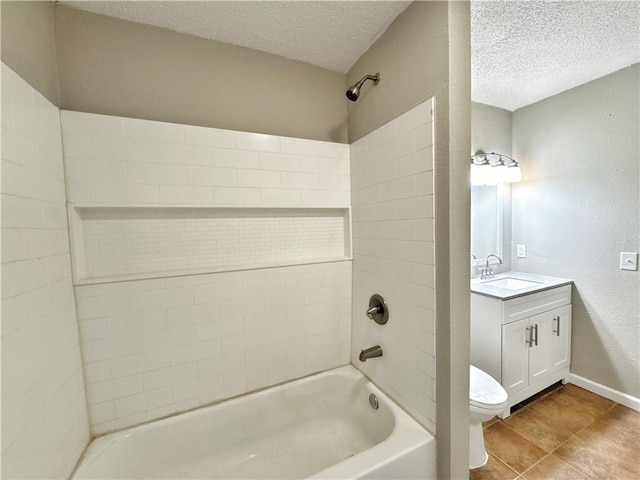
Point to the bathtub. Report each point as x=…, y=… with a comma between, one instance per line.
x=322, y=426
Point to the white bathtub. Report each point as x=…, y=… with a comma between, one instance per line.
x=317, y=427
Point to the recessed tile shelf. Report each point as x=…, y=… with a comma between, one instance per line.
x=111, y=244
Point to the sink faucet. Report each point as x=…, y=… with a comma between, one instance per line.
x=370, y=352
x=487, y=271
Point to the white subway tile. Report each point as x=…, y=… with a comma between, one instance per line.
x=161, y=299
x=325, y=198
x=85, y=171
x=300, y=180
x=211, y=388
x=219, y=177
x=142, y=402
x=236, y=196
x=424, y=230
x=212, y=137
x=75, y=145
x=424, y=136
x=93, y=329
x=424, y=183
x=154, y=131
x=119, y=149
x=102, y=412
x=257, y=141
x=96, y=372
x=259, y=179
x=279, y=162
x=414, y=118
x=156, y=174
x=216, y=292
x=318, y=148
x=382, y=135
x=140, y=362
x=126, y=194
x=417, y=162
x=177, y=154
x=333, y=182
x=218, y=329
x=120, y=387
x=324, y=165
x=91, y=124
x=80, y=192
x=402, y=145
x=118, y=424
x=170, y=376
x=186, y=195
x=225, y=157
x=280, y=198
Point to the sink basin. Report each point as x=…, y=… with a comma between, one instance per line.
x=511, y=283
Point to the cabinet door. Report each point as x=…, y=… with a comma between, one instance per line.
x=560, y=341
x=515, y=356
x=540, y=351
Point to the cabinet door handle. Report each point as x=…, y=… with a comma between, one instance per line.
x=529, y=341
x=557, y=331
x=536, y=334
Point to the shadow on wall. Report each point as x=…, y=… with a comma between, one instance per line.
x=592, y=328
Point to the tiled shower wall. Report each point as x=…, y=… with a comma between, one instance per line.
x=44, y=415
x=393, y=244
x=158, y=346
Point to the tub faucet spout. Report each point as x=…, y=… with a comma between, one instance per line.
x=370, y=352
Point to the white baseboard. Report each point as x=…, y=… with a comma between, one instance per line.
x=606, y=392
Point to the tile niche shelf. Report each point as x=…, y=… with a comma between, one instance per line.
x=115, y=243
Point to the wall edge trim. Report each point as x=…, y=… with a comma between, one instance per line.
x=606, y=392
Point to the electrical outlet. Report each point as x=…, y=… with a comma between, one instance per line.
x=521, y=251
x=628, y=261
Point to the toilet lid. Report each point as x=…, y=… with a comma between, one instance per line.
x=484, y=390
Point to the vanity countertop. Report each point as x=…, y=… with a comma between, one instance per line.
x=509, y=285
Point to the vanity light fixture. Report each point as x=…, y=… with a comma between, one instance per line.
x=491, y=169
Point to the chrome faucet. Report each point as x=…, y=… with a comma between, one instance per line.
x=370, y=352
x=487, y=271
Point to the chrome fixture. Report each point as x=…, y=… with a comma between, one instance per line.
x=491, y=169
x=378, y=310
x=370, y=352
x=373, y=401
x=354, y=91
x=487, y=271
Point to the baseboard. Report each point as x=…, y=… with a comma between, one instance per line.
x=606, y=392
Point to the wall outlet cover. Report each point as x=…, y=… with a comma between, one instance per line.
x=521, y=251
x=628, y=261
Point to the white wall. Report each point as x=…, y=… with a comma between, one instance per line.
x=578, y=207
x=153, y=347
x=393, y=242
x=44, y=416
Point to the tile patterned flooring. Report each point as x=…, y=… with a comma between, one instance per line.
x=565, y=433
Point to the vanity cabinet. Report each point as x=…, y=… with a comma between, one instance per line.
x=523, y=342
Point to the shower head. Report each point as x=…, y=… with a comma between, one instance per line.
x=354, y=92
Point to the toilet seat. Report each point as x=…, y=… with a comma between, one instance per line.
x=484, y=391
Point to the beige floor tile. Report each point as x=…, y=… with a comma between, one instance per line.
x=624, y=419
x=537, y=429
x=552, y=468
x=513, y=449
x=493, y=470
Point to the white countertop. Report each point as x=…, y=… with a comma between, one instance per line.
x=490, y=288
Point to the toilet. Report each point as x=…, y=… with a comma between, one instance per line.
x=487, y=399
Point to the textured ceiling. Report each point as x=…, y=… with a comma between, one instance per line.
x=524, y=51
x=329, y=34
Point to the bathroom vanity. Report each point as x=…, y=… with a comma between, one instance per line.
x=521, y=331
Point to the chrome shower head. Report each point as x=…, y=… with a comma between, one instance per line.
x=354, y=92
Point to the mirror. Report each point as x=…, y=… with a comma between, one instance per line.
x=486, y=221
